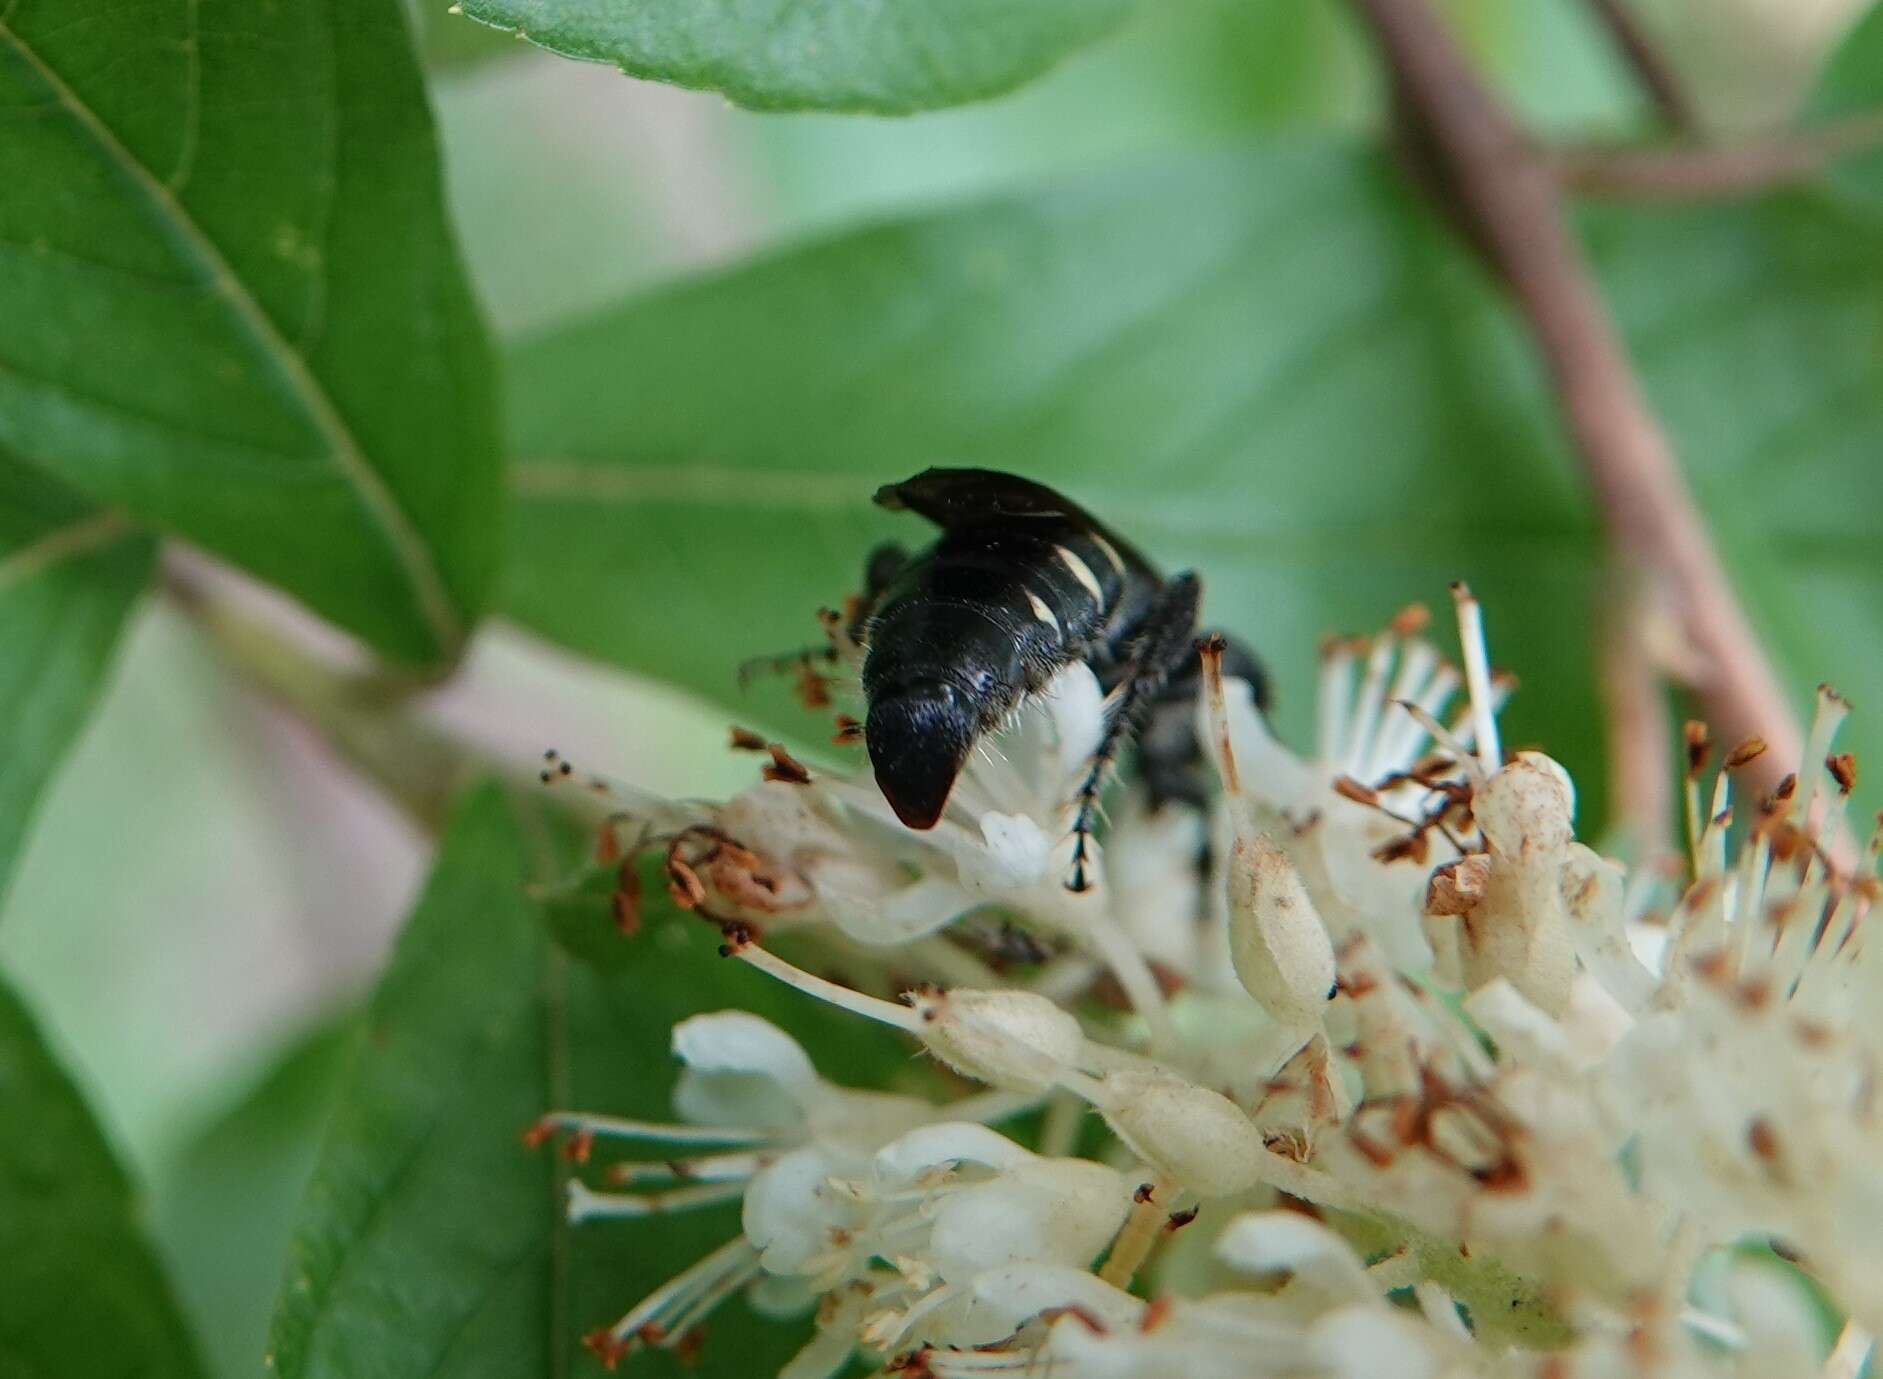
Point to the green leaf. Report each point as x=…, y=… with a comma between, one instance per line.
x=83, y=1294
x=430, y=1244
x=223, y=1207
x=68, y=576
x=1265, y=365
x=888, y=57
x=1852, y=79
x=233, y=304
x=1851, y=86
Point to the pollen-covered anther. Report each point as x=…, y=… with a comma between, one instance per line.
x=624, y=901
x=1412, y=847
x=606, y=1346
x=785, y=767
x=1349, y=788
x=1177, y=1220
x=1411, y=621
x=1698, y=741
x=1843, y=769
x=683, y=882
x=1458, y=885
x=1762, y=1139
x=737, y=936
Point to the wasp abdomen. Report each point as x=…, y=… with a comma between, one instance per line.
x=1021, y=584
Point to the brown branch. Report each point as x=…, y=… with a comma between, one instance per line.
x=1504, y=192
x=1651, y=69
x=1703, y=171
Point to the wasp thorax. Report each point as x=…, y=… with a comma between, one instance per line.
x=919, y=736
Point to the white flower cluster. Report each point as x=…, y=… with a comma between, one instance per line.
x=1432, y=1088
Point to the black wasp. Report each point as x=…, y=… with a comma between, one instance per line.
x=1021, y=584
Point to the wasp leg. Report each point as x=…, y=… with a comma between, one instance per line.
x=1167, y=637
x=879, y=571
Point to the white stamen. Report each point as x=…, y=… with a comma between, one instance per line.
x=1715, y=1329
x=1442, y=736
x=615, y=1127
x=731, y=1258
x=1831, y=710
x=1371, y=701
x=1440, y=1310
x=1847, y=1357
x=1478, y=677
x=1333, y=698
x=869, y=1007
x=1417, y=661
x=586, y=1204
x=709, y=1168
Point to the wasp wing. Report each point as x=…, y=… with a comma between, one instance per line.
x=952, y=498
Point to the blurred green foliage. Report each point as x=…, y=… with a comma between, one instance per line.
x=848, y=55
x=1176, y=275
x=244, y=203
x=84, y=1293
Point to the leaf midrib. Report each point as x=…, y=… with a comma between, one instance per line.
x=433, y=600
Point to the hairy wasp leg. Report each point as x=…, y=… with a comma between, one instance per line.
x=879, y=572
x=1167, y=637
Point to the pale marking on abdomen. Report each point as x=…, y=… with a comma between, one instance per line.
x=1081, y=572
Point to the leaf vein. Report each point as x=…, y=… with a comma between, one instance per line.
x=381, y=506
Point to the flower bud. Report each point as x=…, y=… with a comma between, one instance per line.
x=922, y=1150
x=1198, y=1138
x=1012, y=1039
x=790, y=1210
x=1050, y=1211
x=1277, y=942
x=1003, y=1300
x=1526, y=806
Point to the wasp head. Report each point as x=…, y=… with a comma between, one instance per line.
x=919, y=736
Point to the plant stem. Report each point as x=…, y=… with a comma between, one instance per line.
x=417, y=767
x=1702, y=172
x=1503, y=194
x=1650, y=66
